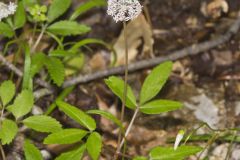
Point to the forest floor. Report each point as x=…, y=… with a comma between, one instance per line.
x=207, y=83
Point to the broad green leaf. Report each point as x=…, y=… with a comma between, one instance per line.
x=107, y=115
x=77, y=115
x=38, y=60
x=22, y=104
x=67, y=28
x=155, y=81
x=140, y=158
x=7, y=91
x=55, y=69
x=42, y=123
x=6, y=30
x=87, y=6
x=31, y=152
x=117, y=86
x=8, y=131
x=168, y=153
x=66, y=136
x=160, y=106
x=58, y=8
x=19, y=16
x=27, y=79
x=75, y=154
x=29, y=3
x=94, y=145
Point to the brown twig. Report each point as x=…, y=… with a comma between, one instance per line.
x=188, y=51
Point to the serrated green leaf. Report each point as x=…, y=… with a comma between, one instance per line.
x=155, y=81
x=6, y=30
x=31, y=152
x=94, y=145
x=19, y=16
x=66, y=136
x=160, y=106
x=55, y=69
x=8, y=131
x=22, y=104
x=42, y=123
x=77, y=115
x=107, y=115
x=67, y=28
x=58, y=8
x=168, y=153
x=87, y=6
x=75, y=154
x=7, y=91
x=38, y=60
x=117, y=86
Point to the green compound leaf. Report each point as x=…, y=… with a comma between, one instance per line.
x=160, y=106
x=6, y=30
x=94, y=145
x=77, y=115
x=7, y=91
x=67, y=28
x=66, y=136
x=38, y=60
x=8, y=131
x=31, y=152
x=55, y=69
x=74, y=154
x=19, y=16
x=87, y=6
x=58, y=8
x=22, y=104
x=117, y=86
x=42, y=123
x=155, y=81
x=168, y=153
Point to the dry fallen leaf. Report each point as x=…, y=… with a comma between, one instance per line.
x=137, y=30
x=215, y=8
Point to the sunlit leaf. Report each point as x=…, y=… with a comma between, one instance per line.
x=155, y=81
x=42, y=123
x=31, y=152
x=117, y=86
x=8, y=131
x=7, y=91
x=66, y=136
x=94, y=145
x=77, y=115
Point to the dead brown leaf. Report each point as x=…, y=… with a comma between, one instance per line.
x=137, y=30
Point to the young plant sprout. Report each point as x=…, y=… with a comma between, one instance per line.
x=6, y=10
x=179, y=138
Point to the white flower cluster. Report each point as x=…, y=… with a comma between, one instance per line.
x=6, y=10
x=124, y=10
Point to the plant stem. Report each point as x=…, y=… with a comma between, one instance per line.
x=2, y=153
x=129, y=127
x=38, y=39
x=125, y=89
